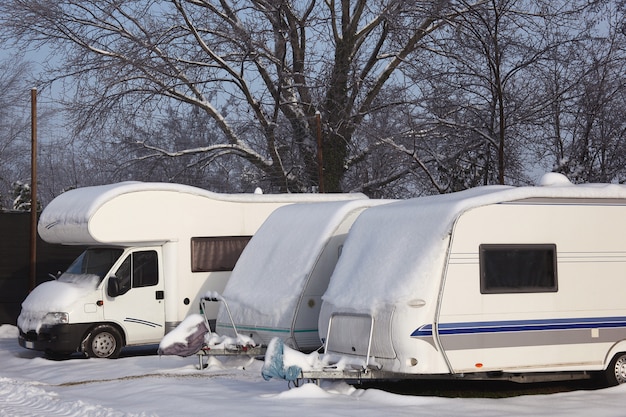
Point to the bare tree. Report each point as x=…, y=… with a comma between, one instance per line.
x=14, y=127
x=586, y=125
x=485, y=89
x=259, y=69
x=413, y=97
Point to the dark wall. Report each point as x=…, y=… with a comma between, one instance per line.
x=15, y=262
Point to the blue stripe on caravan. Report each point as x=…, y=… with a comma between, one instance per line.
x=520, y=326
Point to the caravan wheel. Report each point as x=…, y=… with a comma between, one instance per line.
x=616, y=372
x=103, y=342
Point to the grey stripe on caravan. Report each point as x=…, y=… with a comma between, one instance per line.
x=529, y=338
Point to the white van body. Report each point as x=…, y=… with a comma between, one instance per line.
x=276, y=287
x=166, y=234
x=520, y=283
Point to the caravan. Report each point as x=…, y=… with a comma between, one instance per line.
x=523, y=284
x=154, y=249
x=276, y=287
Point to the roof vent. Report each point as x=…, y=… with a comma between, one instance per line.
x=552, y=179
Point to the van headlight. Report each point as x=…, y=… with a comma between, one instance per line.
x=56, y=318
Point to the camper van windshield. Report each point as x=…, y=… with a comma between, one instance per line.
x=95, y=261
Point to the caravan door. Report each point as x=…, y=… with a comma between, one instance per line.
x=138, y=303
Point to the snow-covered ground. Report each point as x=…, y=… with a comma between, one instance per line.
x=31, y=385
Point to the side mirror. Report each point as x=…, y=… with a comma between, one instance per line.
x=113, y=286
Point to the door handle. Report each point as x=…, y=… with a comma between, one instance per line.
x=159, y=295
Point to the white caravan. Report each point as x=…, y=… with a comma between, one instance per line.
x=276, y=287
x=154, y=249
x=495, y=282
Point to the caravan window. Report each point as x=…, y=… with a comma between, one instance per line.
x=210, y=254
x=517, y=268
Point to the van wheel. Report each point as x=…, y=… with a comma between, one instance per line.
x=616, y=372
x=103, y=342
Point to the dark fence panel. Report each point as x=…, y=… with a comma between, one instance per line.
x=15, y=262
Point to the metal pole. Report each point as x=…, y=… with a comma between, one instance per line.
x=33, y=190
x=320, y=162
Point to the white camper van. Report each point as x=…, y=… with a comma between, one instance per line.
x=155, y=248
x=276, y=287
x=495, y=282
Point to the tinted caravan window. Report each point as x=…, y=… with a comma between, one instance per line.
x=517, y=268
x=210, y=254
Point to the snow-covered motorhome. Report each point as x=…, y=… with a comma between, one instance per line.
x=521, y=283
x=276, y=287
x=154, y=250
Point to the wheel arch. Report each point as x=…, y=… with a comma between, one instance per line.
x=616, y=349
x=116, y=326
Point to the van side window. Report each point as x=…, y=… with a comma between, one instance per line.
x=123, y=275
x=522, y=268
x=140, y=268
x=145, y=269
x=210, y=254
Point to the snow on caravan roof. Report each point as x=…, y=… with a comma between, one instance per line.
x=67, y=218
x=396, y=251
x=272, y=272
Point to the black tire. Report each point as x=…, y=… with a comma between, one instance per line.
x=615, y=374
x=103, y=341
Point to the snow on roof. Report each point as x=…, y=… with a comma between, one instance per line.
x=270, y=275
x=398, y=250
x=70, y=212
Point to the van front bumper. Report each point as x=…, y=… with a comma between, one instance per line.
x=60, y=338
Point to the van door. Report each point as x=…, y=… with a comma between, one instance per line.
x=139, y=306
